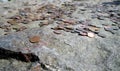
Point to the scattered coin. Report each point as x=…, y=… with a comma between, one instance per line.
x=34, y=39
x=90, y=34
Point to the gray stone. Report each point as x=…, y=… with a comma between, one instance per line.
x=3, y=0
x=65, y=56
x=67, y=51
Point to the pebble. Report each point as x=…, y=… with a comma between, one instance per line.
x=34, y=39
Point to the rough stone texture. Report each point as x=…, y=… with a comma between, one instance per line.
x=66, y=51
x=76, y=53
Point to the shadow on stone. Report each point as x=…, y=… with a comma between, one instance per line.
x=116, y=2
x=25, y=57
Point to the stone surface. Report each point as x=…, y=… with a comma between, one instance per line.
x=66, y=51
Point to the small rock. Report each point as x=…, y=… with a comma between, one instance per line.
x=90, y=34
x=34, y=39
